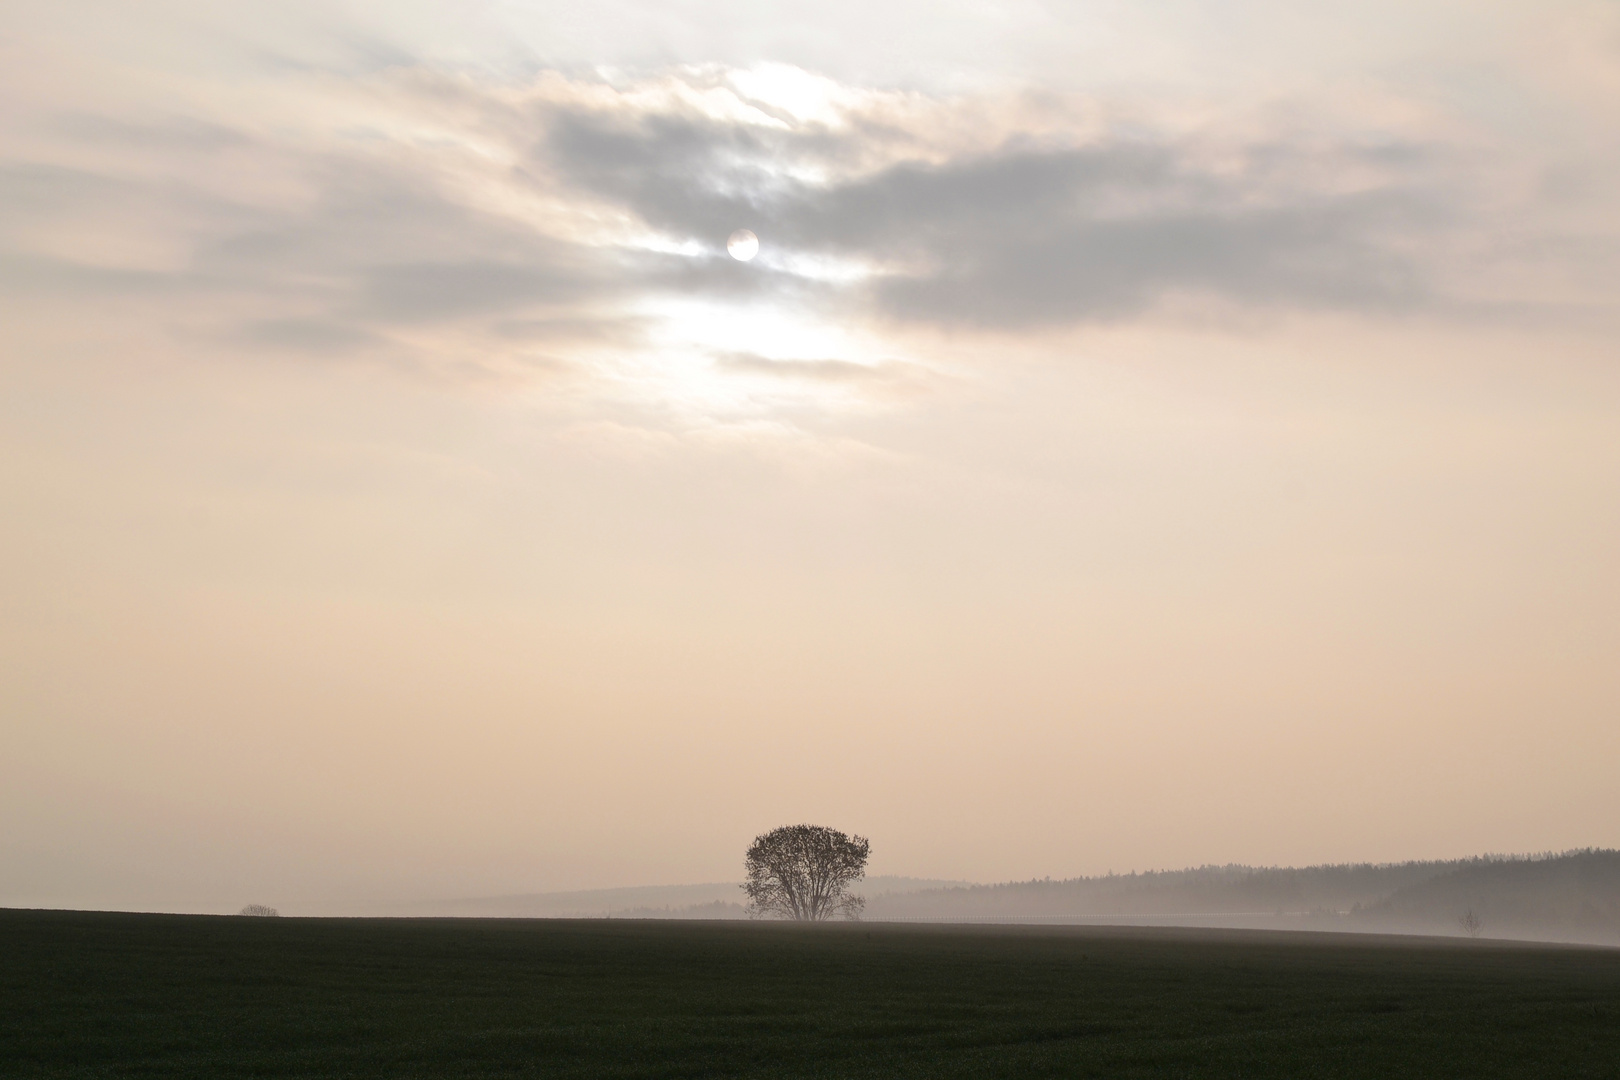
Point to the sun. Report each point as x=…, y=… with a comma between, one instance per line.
x=743, y=245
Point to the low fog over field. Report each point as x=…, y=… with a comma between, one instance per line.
x=1570, y=897
x=718, y=900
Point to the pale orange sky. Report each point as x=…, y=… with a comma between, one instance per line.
x=1145, y=439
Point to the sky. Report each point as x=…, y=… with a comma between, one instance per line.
x=1150, y=435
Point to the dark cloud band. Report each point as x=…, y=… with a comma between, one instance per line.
x=1023, y=236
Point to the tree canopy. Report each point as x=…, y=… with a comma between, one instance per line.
x=804, y=872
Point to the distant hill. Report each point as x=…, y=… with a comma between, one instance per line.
x=1574, y=896
x=1570, y=897
x=1202, y=890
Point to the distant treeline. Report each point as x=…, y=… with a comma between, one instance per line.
x=1572, y=895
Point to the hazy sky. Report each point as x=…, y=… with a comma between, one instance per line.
x=1151, y=434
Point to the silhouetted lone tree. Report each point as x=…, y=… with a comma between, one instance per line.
x=1471, y=924
x=804, y=872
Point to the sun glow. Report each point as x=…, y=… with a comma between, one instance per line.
x=716, y=358
x=801, y=95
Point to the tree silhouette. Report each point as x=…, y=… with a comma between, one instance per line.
x=1471, y=924
x=258, y=909
x=804, y=872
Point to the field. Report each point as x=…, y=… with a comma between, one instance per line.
x=88, y=994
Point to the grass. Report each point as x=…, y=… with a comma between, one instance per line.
x=119, y=995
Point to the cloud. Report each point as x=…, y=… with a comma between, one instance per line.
x=438, y=290
x=307, y=335
x=1026, y=260
x=819, y=370
x=1024, y=235
x=621, y=330
x=343, y=250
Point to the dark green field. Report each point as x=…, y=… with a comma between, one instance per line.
x=189, y=996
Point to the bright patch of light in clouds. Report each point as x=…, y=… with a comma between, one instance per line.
x=805, y=97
